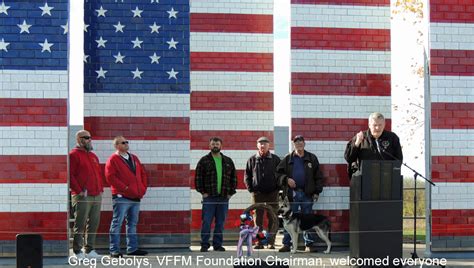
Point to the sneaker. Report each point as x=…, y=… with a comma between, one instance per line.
x=271, y=247
x=204, y=249
x=138, y=252
x=258, y=247
x=219, y=248
x=310, y=249
x=80, y=255
x=285, y=248
x=93, y=255
x=116, y=255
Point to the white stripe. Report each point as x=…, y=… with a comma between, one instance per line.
x=320, y=106
x=452, y=36
x=231, y=120
x=452, y=142
x=148, y=151
x=340, y=16
x=33, y=197
x=340, y=61
x=452, y=195
x=452, y=88
x=328, y=152
x=139, y=105
x=157, y=199
x=33, y=140
x=232, y=6
x=332, y=198
x=231, y=42
x=232, y=81
x=33, y=84
x=239, y=157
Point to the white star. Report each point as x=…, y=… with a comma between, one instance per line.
x=101, y=42
x=172, y=74
x=4, y=8
x=65, y=27
x=119, y=27
x=85, y=27
x=101, y=73
x=154, y=58
x=46, y=46
x=137, y=12
x=3, y=45
x=154, y=27
x=119, y=58
x=137, y=43
x=172, y=13
x=101, y=12
x=172, y=43
x=24, y=27
x=46, y=9
x=137, y=73
x=85, y=58
x=155, y=1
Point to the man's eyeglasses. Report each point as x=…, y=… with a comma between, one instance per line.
x=86, y=137
x=124, y=142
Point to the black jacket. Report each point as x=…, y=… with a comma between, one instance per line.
x=313, y=174
x=367, y=150
x=260, y=173
x=206, y=176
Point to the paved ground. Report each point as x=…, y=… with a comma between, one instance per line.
x=194, y=258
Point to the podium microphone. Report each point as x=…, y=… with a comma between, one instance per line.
x=379, y=149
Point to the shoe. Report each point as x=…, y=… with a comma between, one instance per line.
x=204, y=249
x=220, y=248
x=310, y=249
x=80, y=255
x=285, y=248
x=116, y=255
x=271, y=247
x=93, y=255
x=138, y=252
x=258, y=247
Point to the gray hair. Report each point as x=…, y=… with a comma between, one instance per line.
x=376, y=116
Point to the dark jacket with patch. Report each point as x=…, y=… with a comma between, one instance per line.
x=260, y=173
x=206, y=176
x=313, y=174
x=367, y=150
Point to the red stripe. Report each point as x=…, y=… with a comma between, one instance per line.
x=164, y=175
x=452, y=115
x=232, y=140
x=340, y=38
x=452, y=62
x=153, y=222
x=33, y=169
x=33, y=112
x=452, y=168
x=232, y=61
x=452, y=11
x=339, y=219
x=51, y=225
x=232, y=101
x=231, y=23
x=340, y=84
x=453, y=222
x=138, y=128
x=344, y=2
x=330, y=129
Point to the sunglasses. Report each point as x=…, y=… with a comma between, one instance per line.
x=86, y=137
x=124, y=142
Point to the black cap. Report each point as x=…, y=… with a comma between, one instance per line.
x=298, y=138
x=263, y=139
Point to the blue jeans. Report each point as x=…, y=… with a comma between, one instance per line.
x=303, y=204
x=213, y=207
x=124, y=208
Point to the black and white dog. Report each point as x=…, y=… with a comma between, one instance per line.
x=295, y=223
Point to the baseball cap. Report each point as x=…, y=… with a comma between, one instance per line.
x=263, y=139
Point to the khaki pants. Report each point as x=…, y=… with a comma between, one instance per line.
x=86, y=221
x=272, y=200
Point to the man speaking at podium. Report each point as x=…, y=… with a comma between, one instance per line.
x=372, y=144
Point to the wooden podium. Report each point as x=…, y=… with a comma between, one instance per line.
x=376, y=207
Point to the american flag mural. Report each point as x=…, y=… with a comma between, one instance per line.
x=452, y=123
x=231, y=86
x=33, y=123
x=340, y=73
x=137, y=83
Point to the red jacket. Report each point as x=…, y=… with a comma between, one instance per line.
x=119, y=176
x=85, y=172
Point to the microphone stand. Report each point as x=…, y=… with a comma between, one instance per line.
x=415, y=175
